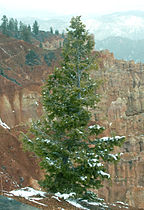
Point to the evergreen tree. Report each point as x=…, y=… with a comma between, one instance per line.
x=25, y=32
x=21, y=25
x=32, y=58
x=11, y=25
x=40, y=45
x=51, y=30
x=71, y=153
x=16, y=25
x=29, y=28
x=49, y=57
x=4, y=25
x=57, y=32
x=35, y=28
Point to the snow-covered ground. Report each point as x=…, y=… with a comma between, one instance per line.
x=36, y=196
x=29, y=194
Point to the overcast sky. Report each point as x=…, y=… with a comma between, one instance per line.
x=33, y=8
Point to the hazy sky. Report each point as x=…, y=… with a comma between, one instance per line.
x=17, y=8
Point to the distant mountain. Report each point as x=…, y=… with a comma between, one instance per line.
x=123, y=24
x=121, y=32
x=123, y=48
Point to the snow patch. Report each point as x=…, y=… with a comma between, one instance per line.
x=100, y=203
x=5, y=51
x=27, y=192
x=55, y=197
x=104, y=174
x=117, y=138
x=4, y=125
x=47, y=141
x=94, y=162
x=42, y=204
x=64, y=196
x=50, y=161
x=74, y=203
x=83, y=178
x=36, y=103
x=113, y=156
x=98, y=127
x=120, y=202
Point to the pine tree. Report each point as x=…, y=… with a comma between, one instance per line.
x=71, y=153
x=25, y=32
x=35, y=28
x=56, y=32
x=11, y=25
x=4, y=25
x=51, y=30
x=16, y=25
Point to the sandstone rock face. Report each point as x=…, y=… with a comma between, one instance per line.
x=122, y=112
x=19, y=104
x=17, y=168
x=20, y=91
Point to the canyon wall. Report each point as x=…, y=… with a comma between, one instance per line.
x=121, y=111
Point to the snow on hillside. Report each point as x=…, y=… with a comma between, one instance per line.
x=4, y=125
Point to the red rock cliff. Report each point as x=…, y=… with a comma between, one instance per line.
x=121, y=111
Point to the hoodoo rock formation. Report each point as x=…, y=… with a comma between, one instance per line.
x=121, y=111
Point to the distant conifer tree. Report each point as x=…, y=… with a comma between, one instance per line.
x=4, y=25
x=35, y=28
x=51, y=30
x=57, y=32
x=25, y=32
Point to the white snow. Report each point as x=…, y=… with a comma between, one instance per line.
x=94, y=162
x=64, y=196
x=83, y=178
x=104, y=174
x=113, y=156
x=117, y=138
x=80, y=132
x=5, y=51
x=55, y=197
x=95, y=127
x=74, y=203
x=47, y=141
x=120, y=202
x=50, y=161
x=100, y=203
x=133, y=22
x=27, y=192
x=42, y=204
x=29, y=140
x=36, y=103
x=4, y=125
